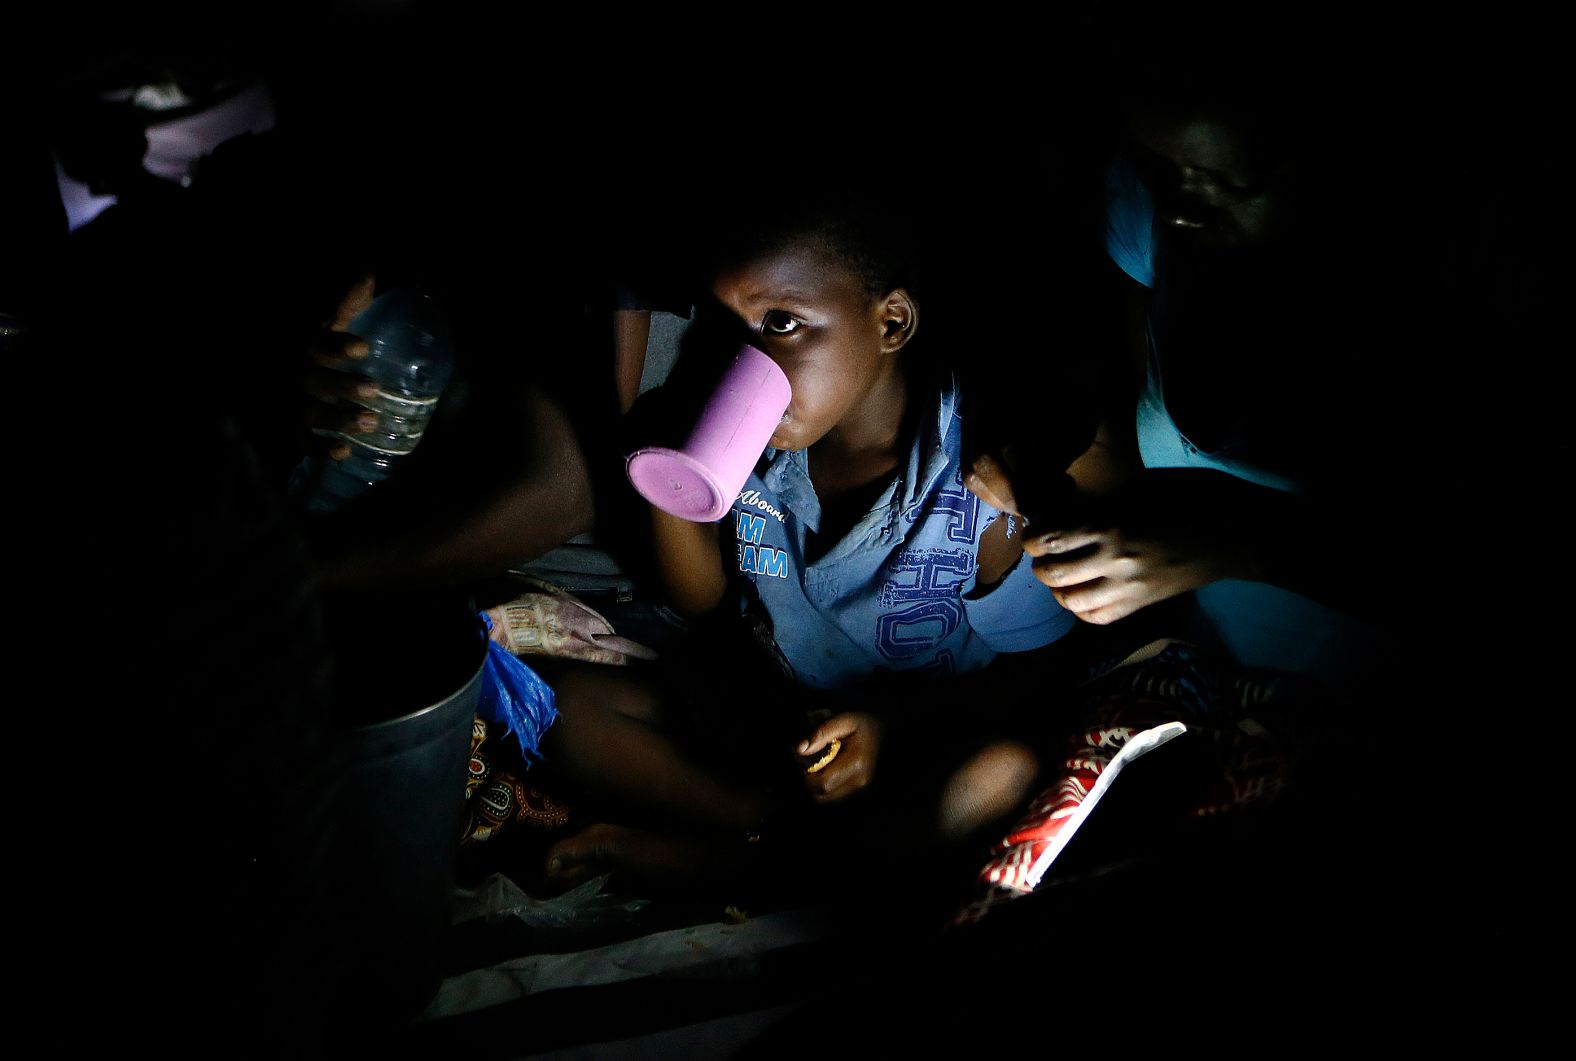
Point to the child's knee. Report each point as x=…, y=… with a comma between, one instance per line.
x=593, y=690
x=991, y=785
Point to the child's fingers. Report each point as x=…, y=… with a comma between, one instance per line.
x=844, y=776
x=838, y=727
x=814, y=764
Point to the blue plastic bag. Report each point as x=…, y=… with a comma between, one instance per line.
x=515, y=697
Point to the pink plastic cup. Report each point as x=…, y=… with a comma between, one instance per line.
x=700, y=481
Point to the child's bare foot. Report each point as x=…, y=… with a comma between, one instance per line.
x=638, y=856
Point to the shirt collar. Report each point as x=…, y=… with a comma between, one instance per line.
x=787, y=473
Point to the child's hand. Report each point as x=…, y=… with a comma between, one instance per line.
x=855, y=763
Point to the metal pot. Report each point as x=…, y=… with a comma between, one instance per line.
x=402, y=800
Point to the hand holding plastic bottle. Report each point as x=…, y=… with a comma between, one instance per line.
x=400, y=341
x=332, y=381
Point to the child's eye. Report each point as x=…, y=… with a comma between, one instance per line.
x=777, y=322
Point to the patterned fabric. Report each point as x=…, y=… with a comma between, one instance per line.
x=547, y=621
x=495, y=796
x=1023, y=856
x=1131, y=708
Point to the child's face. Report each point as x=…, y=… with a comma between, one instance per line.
x=835, y=343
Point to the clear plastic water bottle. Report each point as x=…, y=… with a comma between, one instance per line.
x=410, y=357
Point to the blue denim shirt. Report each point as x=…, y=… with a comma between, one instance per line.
x=894, y=593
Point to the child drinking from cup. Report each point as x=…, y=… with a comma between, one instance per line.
x=881, y=585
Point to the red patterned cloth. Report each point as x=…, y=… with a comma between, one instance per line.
x=1149, y=698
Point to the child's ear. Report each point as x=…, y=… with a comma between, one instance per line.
x=899, y=320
